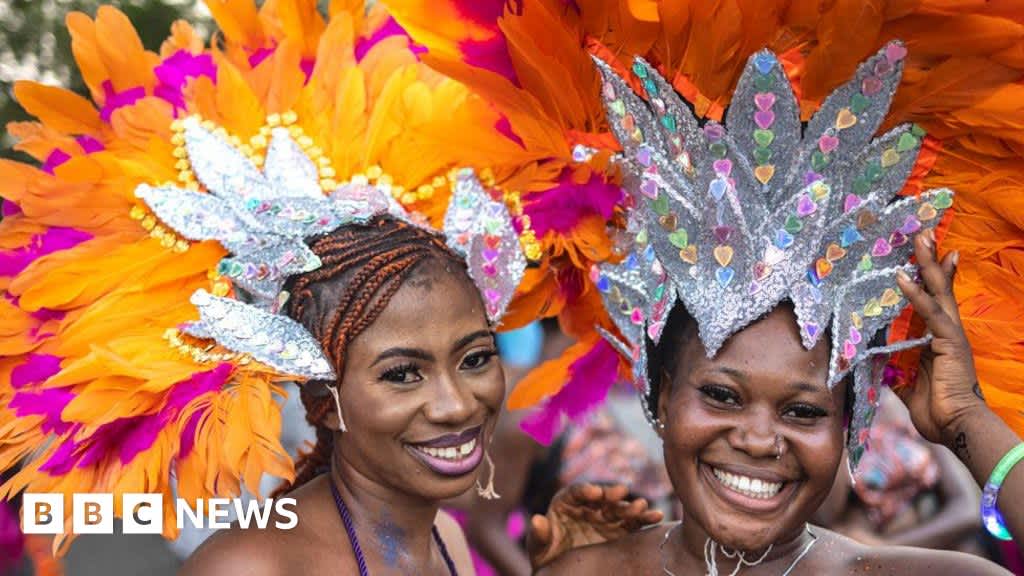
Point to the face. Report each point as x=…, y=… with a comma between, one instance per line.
x=422, y=388
x=727, y=418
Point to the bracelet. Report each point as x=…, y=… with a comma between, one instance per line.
x=990, y=515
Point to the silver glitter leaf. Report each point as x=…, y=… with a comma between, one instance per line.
x=288, y=169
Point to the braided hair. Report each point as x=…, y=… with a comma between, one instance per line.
x=363, y=266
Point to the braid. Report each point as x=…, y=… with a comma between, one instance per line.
x=362, y=267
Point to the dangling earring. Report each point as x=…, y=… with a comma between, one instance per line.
x=487, y=492
x=337, y=404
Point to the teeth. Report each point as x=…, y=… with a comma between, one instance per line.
x=450, y=452
x=752, y=487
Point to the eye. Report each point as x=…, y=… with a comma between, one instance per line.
x=720, y=395
x=806, y=412
x=478, y=360
x=402, y=374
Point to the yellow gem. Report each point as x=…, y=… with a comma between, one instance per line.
x=148, y=222
x=384, y=180
x=323, y=161
x=185, y=176
x=182, y=165
x=177, y=125
x=258, y=141
x=221, y=289
x=374, y=172
x=305, y=141
x=137, y=212
x=178, y=139
x=327, y=172
x=424, y=192
x=289, y=117
x=328, y=184
x=408, y=198
x=274, y=120
x=181, y=246
x=179, y=152
x=359, y=180
x=438, y=182
x=194, y=186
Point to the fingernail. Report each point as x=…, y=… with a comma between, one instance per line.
x=955, y=258
x=926, y=239
x=903, y=275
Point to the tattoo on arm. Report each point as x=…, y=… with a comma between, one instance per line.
x=960, y=447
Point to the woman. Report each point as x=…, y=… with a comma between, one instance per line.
x=742, y=489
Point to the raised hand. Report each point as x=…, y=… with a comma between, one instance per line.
x=585, y=514
x=946, y=388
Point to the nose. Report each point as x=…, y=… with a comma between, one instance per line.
x=452, y=401
x=755, y=434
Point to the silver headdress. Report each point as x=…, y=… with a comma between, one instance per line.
x=264, y=218
x=734, y=219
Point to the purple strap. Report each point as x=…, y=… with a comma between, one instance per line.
x=350, y=529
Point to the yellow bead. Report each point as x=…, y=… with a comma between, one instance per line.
x=167, y=241
x=185, y=177
x=208, y=125
x=179, y=152
x=258, y=141
x=245, y=149
x=182, y=165
x=148, y=222
x=305, y=142
x=323, y=161
x=274, y=120
x=181, y=246
x=328, y=184
x=359, y=180
x=438, y=182
x=177, y=125
x=137, y=212
x=384, y=180
x=315, y=153
x=289, y=117
x=178, y=139
x=327, y=172
x=397, y=190
x=221, y=289
x=425, y=192
x=408, y=198
x=294, y=131
x=194, y=186
x=374, y=172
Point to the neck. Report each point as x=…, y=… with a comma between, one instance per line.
x=688, y=548
x=394, y=528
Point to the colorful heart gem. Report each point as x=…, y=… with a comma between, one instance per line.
x=822, y=268
x=764, y=62
x=762, y=155
x=820, y=191
x=819, y=160
x=639, y=69
x=813, y=278
x=689, y=254
x=714, y=131
x=855, y=335
x=764, y=83
x=764, y=173
x=897, y=239
x=942, y=200
x=490, y=254
x=881, y=248
x=882, y=67
x=649, y=188
x=723, y=234
x=718, y=150
x=660, y=204
x=926, y=211
x=659, y=105
x=722, y=167
x=492, y=295
x=608, y=90
x=725, y=276
x=865, y=264
x=918, y=130
x=784, y=238
x=890, y=158
x=628, y=123
x=723, y=254
x=894, y=52
x=764, y=100
x=859, y=103
x=641, y=237
x=806, y=206
x=827, y=143
x=761, y=271
x=851, y=202
x=636, y=316
x=680, y=238
x=849, y=236
x=764, y=138
x=669, y=122
x=764, y=119
x=834, y=252
x=856, y=320
x=773, y=254
x=845, y=119
x=718, y=187
x=873, y=171
x=866, y=218
x=604, y=284
x=889, y=298
x=849, y=350
x=906, y=142
x=910, y=225
x=871, y=85
x=861, y=185
x=643, y=156
x=637, y=136
x=490, y=269
x=793, y=224
x=668, y=222
x=872, y=308
x=812, y=330
x=618, y=107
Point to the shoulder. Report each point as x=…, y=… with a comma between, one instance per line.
x=636, y=552
x=907, y=560
x=455, y=542
x=261, y=553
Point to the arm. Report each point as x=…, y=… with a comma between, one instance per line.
x=235, y=552
x=958, y=516
x=946, y=403
x=904, y=560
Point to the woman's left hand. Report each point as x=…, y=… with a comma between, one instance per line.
x=585, y=514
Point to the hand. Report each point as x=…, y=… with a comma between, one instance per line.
x=946, y=388
x=585, y=514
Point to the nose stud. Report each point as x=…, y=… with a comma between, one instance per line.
x=779, y=447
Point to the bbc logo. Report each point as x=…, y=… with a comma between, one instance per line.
x=92, y=513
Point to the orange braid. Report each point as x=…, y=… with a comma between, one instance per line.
x=362, y=267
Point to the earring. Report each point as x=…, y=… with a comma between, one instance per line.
x=488, y=492
x=659, y=425
x=337, y=404
x=779, y=447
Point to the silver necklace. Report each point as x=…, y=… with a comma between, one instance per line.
x=712, y=566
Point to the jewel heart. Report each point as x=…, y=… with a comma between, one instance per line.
x=856, y=319
x=764, y=119
x=764, y=100
x=725, y=276
x=764, y=62
x=617, y=106
x=890, y=158
x=689, y=255
x=636, y=316
x=827, y=143
x=822, y=268
x=668, y=222
x=680, y=238
x=490, y=254
x=906, y=142
x=895, y=52
x=897, y=239
x=881, y=248
x=855, y=336
x=849, y=350
x=722, y=167
x=649, y=188
x=628, y=123
x=723, y=234
x=723, y=254
x=805, y=206
x=943, y=200
x=783, y=240
x=761, y=271
x=889, y=298
x=872, y=308
x=812, y=330
x=845, y=119
x=764, y=173
x=865, y=219
x=492, y=295
x=851, y=202
x=834, y=252
x=871, y=85
x=764, y=138
x=927, y=212
x=910, y=225
x=718, y=187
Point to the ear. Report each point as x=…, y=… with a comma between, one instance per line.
x=322, y=389
x=664, y=392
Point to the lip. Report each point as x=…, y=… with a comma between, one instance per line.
x=450, y=440
x=741, y=501
x=451, y=468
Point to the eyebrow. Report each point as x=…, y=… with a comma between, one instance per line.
x=741, y=376
x=427, y=356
